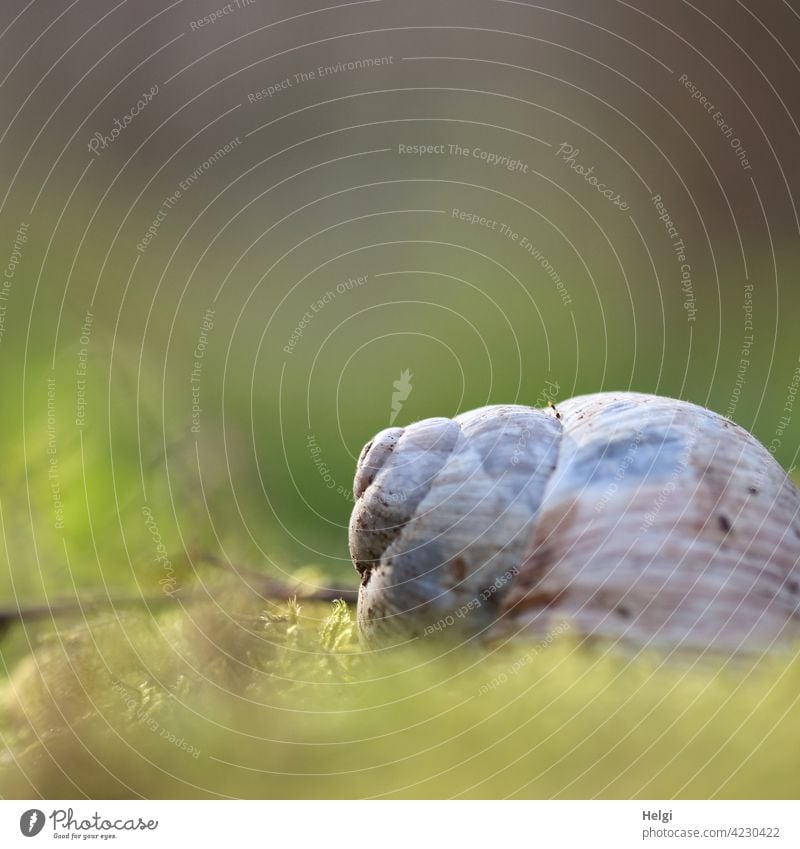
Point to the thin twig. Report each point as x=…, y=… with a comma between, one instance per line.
x=267, y=588
x=277, y=589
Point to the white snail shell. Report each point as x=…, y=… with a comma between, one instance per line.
x=631, y=517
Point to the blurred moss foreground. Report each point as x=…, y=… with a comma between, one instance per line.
x=225, y=699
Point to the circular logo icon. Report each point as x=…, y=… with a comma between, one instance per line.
x=31, y=822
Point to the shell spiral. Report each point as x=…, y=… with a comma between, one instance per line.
x=629, y=517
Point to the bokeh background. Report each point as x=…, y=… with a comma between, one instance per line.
x=222, y=247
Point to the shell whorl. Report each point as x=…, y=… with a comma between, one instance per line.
x=631, y=517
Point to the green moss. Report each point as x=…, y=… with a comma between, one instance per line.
x=227, y=698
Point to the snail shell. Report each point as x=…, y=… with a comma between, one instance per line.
x=631, y=517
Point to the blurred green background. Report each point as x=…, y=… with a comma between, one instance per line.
x=223, y=375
